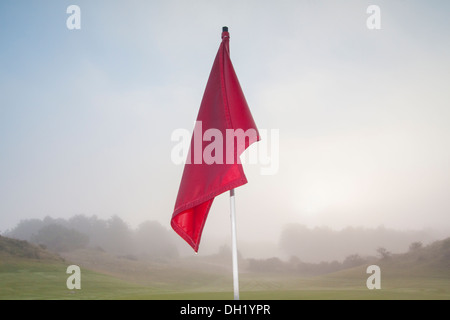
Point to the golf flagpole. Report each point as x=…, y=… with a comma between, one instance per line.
x=223, y=108
x=234, y=245
x=233, y=235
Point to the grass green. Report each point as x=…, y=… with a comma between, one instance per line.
x=29, y=273
x=43, y=281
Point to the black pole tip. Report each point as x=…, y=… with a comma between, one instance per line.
x=224, y=29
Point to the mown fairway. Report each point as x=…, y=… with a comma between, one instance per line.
x=38, y=280
x=30, y=272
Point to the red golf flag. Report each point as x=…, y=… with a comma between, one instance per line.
x=224, y=129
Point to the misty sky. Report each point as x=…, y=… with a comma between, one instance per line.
x=86, y=116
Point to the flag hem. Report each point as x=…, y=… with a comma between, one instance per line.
x=210, y=197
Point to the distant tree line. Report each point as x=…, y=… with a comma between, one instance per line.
x=436, y=254
x=315, y=251
x=322, y=243
x=295, y=265
x=150, y=239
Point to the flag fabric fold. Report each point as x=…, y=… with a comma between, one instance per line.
x=223, y=130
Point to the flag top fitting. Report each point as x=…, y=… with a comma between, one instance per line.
x=225, y=33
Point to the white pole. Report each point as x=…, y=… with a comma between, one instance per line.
x=234, y=246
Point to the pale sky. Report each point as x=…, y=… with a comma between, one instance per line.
x=363, y=115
